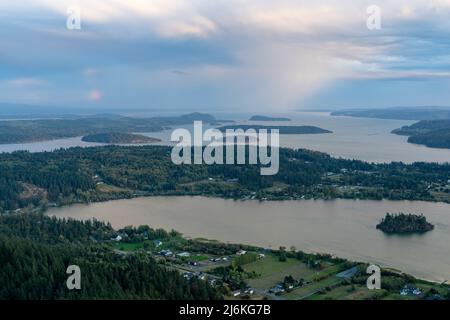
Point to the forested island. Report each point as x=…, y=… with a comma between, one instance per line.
x=81, y=175
x=431, y=133
x=266, y=118
x=119, y=138
x=404, y=223
x=282, y=129
x=19, y=131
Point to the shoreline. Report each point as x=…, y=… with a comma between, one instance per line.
x=272, y=246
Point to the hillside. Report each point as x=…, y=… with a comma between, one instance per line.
x=36, y=251
x=431, y=133
x=433, y=139
x=119, y=137
x=19, y=131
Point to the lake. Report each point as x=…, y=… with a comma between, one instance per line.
x=345, y=228
x=352, y=138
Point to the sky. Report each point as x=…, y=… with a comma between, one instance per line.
x=225, y=55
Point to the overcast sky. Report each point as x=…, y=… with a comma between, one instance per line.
x=266, y=55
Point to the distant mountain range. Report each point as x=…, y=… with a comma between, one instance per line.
x=398, y=113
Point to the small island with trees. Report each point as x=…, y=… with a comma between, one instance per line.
x=282, y=129
x=402, y=223
x=266, y=118
x=119, y=138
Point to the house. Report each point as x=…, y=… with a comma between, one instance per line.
x=408, y=290
x=166, y=253
x=241, y=252
x=277, y=289
x=157, y=243
x=236, y=293
x=118, y=238
x=188, y=275
x=184, y=254
x=249, y=291
x=417, y=292
x=404, y=292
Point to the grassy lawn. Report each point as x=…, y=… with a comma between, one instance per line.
x=132, y=246
x=311, y=288
x=110, y=188
x=199, y=257
x=125, y=246
x=329, y=270
x=273, y=271
x=347, y=292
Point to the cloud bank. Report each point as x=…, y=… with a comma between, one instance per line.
x=224, y=54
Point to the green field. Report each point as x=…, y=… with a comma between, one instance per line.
x=346, y=292
x=273, y=271
x=309, y=289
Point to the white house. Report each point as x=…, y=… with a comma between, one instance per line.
x=236, y=293
x=184, y=254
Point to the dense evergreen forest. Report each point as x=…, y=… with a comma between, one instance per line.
x=431, y=133
x=35, y=251
x=434, y=139
x=119, y=138
x=112, y=172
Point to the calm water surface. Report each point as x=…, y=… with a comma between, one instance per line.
x=345, y=228
x=352, y=138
